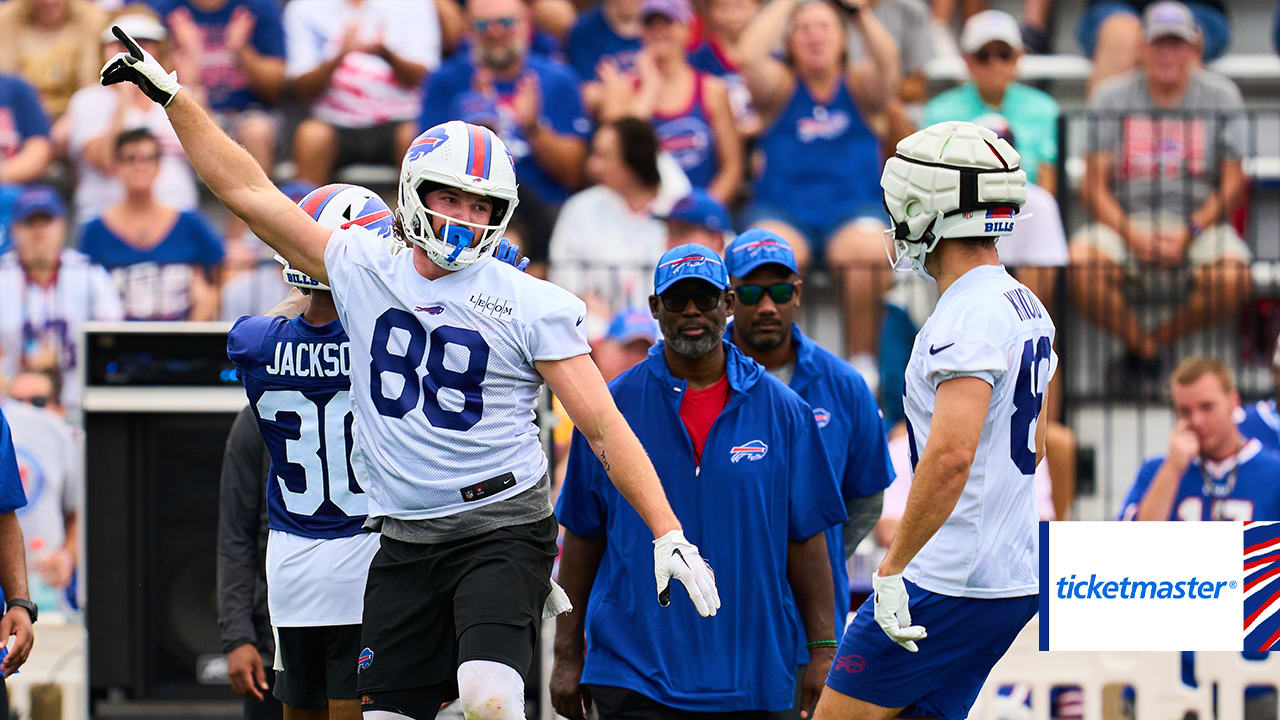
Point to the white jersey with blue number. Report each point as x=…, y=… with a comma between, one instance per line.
x=443, y=386
x=986, y=325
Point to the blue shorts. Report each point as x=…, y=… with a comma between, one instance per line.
x=1213, y=23
x=966, y=638
x=818, y=235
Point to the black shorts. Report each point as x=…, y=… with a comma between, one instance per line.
x=615, y=703
x=430, y=607
x=374, y=145
x=319, y=663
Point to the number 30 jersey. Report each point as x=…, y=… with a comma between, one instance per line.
x=990, y=326
x=443, y=385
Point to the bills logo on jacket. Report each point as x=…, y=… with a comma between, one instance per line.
x=821, y=416
x=750, y=450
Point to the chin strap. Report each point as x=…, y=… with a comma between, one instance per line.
x=459, y=237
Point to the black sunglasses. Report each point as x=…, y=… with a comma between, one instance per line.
x=984, y=55
x=779, y=293
x=705, y=298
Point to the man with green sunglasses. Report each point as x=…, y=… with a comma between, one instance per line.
x=763, y=275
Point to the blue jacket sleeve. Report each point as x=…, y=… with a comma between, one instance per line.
x=1129, y=508
x=867, y=470
x=581, y=507
x=814, y=502
x=12, y=495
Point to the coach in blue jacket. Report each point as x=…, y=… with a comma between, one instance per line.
x=763, y=275
x=743, y=464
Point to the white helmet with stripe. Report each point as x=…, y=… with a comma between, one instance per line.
x=338, y=206
x=463, y=156
x=949, y=180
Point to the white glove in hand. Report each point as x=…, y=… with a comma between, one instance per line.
x=139, y=67
x=675, y=557
x=892, y=614
x=557, y=602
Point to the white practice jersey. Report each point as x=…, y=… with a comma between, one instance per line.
x=443, y=388
x=986, y=325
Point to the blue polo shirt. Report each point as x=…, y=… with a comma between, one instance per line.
x=762, y=483
x=852, y=434
x=1261, y=420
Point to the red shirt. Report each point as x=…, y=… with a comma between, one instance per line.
x=699, y=410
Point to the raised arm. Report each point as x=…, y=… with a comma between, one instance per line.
x=769, y=81
x=874, y=80
x=227, y=169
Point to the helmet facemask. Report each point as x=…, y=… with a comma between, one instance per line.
x=456, y=246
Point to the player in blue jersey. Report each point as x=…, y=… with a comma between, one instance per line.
x=448, y=352
x=961, y=577
x=762, y=271
x=296, y=372
x=1211, y=472
x=1261, y=420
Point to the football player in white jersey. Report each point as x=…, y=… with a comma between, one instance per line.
x=961, y=577
x=448, y=351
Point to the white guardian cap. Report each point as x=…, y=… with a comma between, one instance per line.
x=949, y=180
x=463, y=156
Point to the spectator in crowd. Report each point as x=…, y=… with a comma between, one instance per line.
x=765, y=280
x=903, y=19
x=238, y=46
x=25, y=150
x=992, y=45
x=20, y=612
x=47, y=291
x=699, y=403
x=534, y=99
x=723, y=22
x=821, y=155
x=1112, y=34
x=50, y=461
x=1211, y=471
x=1261, y=420
x=163, y=260
x=98, y=115
x=689, y=109
x=53, y=44
x=697, y=218
x=243, y=620
x=360, y=63
x=608, y=30
x=606, y=237
x=1163, y=173
x=39, y=388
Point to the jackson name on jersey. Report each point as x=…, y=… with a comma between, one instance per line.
x=444, y=389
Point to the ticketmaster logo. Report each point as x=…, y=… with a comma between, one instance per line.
x=1126, y=589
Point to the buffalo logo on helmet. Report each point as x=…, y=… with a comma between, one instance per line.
x=427, y=142
x=751, y=450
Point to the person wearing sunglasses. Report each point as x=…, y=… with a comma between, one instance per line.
x=763, y=275
x=741, y=458
x=992, y=44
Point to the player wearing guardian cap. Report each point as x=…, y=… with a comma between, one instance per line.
x=448, y=351
x=296, y=371
x=963, y=564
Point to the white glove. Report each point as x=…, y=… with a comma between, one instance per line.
x=139, y=67
x=675, y=557
x=557, y=602
x=892, y=614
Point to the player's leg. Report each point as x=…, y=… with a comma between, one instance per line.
x=489, y=690
x=341, y=658
x=835, y=705
x=300, y=685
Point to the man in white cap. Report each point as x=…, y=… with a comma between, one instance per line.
x=1162, y=175
x=992, y=44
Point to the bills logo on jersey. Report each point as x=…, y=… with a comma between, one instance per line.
x=1262, y=586
x=430, y=309
x=823, y=125
x=821, y=416
x=365, y=660
x=752, y=450
x=427, y=142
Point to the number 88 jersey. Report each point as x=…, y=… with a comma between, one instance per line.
x=990, y=326
x=443, y=385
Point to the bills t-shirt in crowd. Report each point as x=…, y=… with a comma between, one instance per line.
x=155, y=282
x=224, y=82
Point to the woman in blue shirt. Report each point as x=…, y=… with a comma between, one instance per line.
x=163, y=261
x=823, y=116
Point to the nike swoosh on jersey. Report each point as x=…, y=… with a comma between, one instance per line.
x=935, y=350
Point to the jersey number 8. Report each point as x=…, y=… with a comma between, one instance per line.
x=465, y=383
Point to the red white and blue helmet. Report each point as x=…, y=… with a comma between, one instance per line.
x=467, y=157
x=338, y=206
